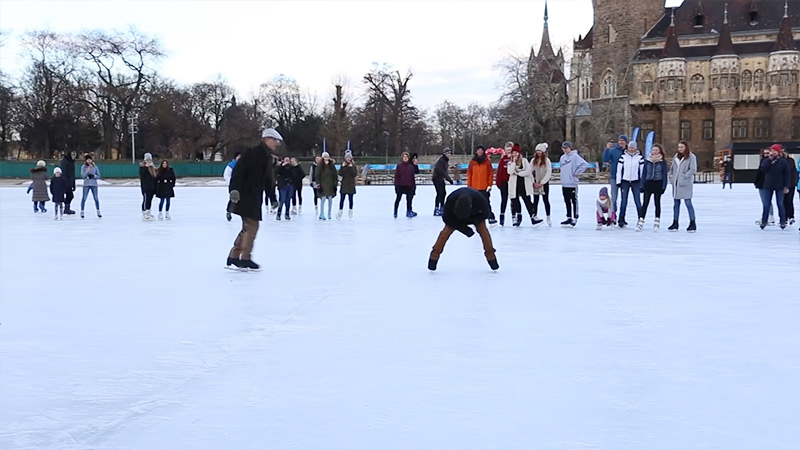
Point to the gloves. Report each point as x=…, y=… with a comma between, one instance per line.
x=451, y=181
x=30, y=188
x=90, y=176
x=619, y=185
x=234, y=194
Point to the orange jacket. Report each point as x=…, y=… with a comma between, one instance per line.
x=480, y=175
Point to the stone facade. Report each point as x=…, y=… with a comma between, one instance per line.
x=711, y=73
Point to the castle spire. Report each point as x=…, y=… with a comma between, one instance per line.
x=546, y=49
x=725, y=44
x=785, y=40
x=672, y=49
x=785, y=10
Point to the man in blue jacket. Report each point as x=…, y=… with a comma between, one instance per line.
x=612, y=156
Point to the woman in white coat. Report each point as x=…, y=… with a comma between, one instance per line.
x=520, y=185
x=681, y=177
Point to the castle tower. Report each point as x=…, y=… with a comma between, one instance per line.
x=782, y=78
x=671, y=83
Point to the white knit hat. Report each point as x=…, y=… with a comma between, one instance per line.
x=41, y=163
x=57, y=170
x=326, y=155
x=541, y=147
x=148, y=157
x=271, y=133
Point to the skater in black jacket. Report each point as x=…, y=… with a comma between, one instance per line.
x=465, y=207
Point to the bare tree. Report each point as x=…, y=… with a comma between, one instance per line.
x=391, y=88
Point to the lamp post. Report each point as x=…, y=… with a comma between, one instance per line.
x=133, y=128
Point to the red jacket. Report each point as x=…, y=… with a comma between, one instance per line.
x=502, y=171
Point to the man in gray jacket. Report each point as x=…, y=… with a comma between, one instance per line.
x=572, y=165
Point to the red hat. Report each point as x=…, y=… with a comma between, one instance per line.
x=776, y=147
x=516, y=148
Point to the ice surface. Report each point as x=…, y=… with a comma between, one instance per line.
x=119, y=334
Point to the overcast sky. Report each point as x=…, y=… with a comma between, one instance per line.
x=452, y=47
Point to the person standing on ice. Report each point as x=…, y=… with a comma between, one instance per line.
x=542, y=172
x=788, y=199
x=226, y=175
x=654, y=177
x=147, y=182
x=59, y=186
x=520, y=185
x=759, y=184
x=348, y=172
x=611, y=155
x=285, y=187
x=464, y=207
x=501, y=180
x=777, y=181
x=90, y=174
x=629, y=174
x=165, y=187
x=440, y=175
x=572, y=165
x=605, y=210
x=480, y=176
x=298, y=175
x=727, y=172
x=39, y=186
x=314, y=185
x=405, y=183
x=68, y=172
x=251, y=177
x=327, y=180
x=681, y=177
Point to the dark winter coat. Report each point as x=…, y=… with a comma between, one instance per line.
x=479, y=213
x=655, y=171
x=298, y=174
x=348, y=174
x=327, y=179
x=252, y=176
x=283, y=176
x=727, y=167
x=59, y=187
x=147, y=180
x=759, y=182
x=165, y=183
x=776, y=173
x=68, y=170
x=404, y=175
x=440, y=170
x=39, y=177
x=793, y=175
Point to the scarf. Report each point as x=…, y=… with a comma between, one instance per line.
x=655, y=159
x=479, y=159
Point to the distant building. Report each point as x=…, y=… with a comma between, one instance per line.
x=710, y=72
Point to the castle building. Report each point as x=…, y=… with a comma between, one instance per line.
x=712, y=73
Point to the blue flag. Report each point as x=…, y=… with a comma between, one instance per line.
x=648, y=145
x=635, y=134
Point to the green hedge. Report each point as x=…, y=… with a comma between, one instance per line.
x=22, y=169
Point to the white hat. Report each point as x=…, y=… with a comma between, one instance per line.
x=270, y=132
x=148, y=157
x=41, y=163
x=326, y=155
x=633, y=144
x=57, y=170
x=541, y=147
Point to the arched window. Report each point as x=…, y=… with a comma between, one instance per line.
x=697, y=83
x=747, y=80
x=609, y=84
x=758, y=80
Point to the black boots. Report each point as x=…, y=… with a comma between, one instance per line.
x=692, y=227
x=674, y=226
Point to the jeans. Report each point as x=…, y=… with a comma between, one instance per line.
x=766, y=200
x=625, y=187
x=161, y=204
x=285, y=198
x=341, y=200
x=676, y=209
x=86, y=190
x=614, y=193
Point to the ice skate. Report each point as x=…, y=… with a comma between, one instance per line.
x=549, y=222
x=674, y=226
x=166, y=215
x=160, y=215
x=300, y=209
x=294, y=209
x=535, y=221
x=599, y=226
x=339, y=215
x=517, y=220
x=81, y=214
x=249, y=264
x=640, y=224
x=350, y=214
x=228, y=216
x=287, y=216
x=657, y=224
x=493, y=221
x=98, y=214
x=693, y=227
x=277, y=217
x=502, y=219
x=567, y=223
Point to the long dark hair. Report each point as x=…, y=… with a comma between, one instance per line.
x=161, y=168
x=688, y=149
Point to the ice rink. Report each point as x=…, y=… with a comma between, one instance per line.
x=119, y=334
